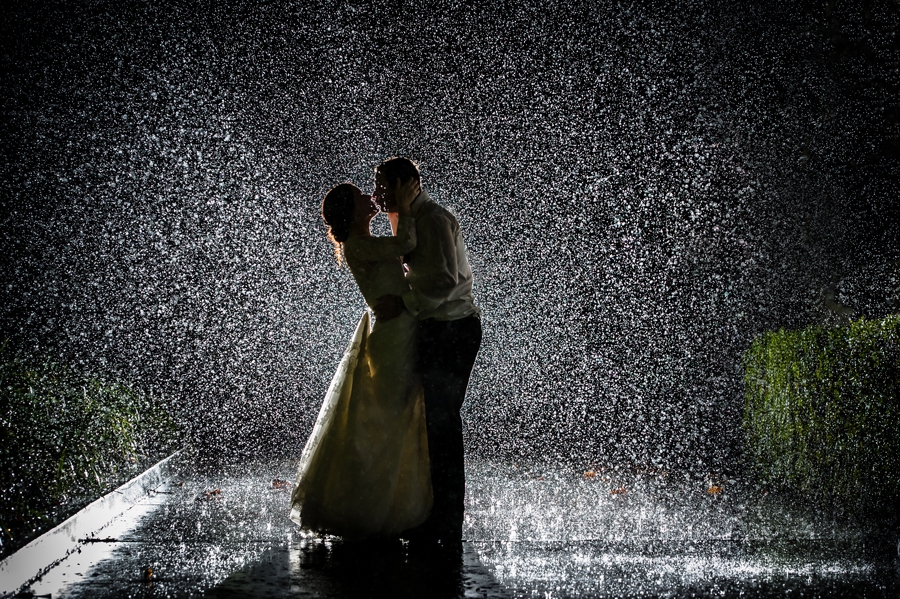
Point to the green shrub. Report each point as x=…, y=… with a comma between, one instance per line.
x=67, y=438
x=822, y=411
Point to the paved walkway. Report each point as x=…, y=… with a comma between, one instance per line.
x=534, y=534
x=228, y=535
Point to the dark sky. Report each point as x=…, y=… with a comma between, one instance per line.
x=642, y=190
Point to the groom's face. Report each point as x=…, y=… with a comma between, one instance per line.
x=384, y=193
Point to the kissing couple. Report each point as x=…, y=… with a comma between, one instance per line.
x=385, y=457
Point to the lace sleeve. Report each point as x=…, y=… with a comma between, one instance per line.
x=371, y=249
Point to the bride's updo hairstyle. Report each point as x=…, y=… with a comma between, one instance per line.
x=337, y=212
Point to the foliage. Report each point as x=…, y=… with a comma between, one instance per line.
x=822, y=411
x=66, y=438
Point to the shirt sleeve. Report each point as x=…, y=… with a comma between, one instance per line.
x=372, y=249
x=436, y=271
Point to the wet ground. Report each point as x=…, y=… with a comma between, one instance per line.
x=532, y=532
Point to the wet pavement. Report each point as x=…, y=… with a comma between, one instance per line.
x=532, y=532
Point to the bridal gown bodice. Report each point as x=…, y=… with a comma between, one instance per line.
x=364, y=470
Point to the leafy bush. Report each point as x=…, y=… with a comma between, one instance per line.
x=822, y=411
x=67, y=438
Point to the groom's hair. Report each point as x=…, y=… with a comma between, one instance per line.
x=399, y=167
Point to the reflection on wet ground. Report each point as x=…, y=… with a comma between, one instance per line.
x=333, y=569
x=662, y=569
x=532, y=532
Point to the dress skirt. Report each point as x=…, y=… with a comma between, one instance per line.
x=364, y=471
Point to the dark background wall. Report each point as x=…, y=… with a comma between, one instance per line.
x=642, y=191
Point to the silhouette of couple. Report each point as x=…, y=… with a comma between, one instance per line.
x=385, y=458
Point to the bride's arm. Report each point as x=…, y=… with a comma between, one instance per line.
x=372, y=249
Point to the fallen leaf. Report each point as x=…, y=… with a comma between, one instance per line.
x=215, y=493
x=619, y=491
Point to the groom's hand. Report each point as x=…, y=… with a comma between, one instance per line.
x=388, y=307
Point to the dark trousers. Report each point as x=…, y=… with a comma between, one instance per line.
x=446, y=354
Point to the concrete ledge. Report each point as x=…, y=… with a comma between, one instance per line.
x=34, y=559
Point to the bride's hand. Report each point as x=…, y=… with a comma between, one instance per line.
x=387, y=307
x=405, y=195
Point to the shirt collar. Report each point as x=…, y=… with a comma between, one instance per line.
x=417, y=203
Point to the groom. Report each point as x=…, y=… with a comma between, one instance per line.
x=449, y=335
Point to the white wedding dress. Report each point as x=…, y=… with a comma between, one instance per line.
x=364, y=470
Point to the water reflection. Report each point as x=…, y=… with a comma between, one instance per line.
x=358, y=569
x=642, y=567
x=532, y=531
x=335, y=568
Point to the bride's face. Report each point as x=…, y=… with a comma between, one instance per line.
x=363, y=207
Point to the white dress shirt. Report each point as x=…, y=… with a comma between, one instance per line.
x=439, y=276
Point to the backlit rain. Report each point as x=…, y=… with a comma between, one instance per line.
x=643, y=191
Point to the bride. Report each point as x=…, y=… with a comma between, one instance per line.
x=364, y=471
